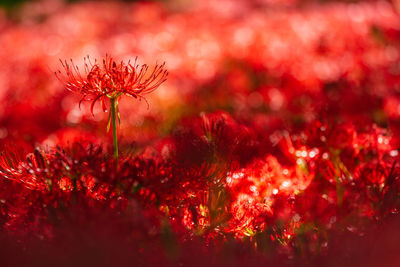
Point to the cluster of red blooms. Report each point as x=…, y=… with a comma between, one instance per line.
x=273, y=141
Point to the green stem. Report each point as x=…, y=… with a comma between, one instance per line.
x=113, y=104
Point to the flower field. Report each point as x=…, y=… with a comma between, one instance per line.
x=274, y=140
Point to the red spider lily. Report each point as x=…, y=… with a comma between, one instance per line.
x=31, y=172
x=111, y=79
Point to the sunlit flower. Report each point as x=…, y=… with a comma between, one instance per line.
x=110, y=79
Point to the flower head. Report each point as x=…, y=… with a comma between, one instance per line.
x=110, y=79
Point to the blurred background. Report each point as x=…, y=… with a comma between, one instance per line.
x=271, y=64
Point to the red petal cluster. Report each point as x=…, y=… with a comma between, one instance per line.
x=111, y=79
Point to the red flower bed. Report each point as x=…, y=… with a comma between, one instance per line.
x=274, y=140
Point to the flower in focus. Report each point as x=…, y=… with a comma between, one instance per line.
x=111, y=79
